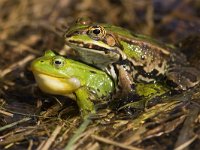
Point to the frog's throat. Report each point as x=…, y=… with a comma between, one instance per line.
x=54, y=85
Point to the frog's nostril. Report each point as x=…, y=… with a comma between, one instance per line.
x=41, y=61
x=58, y=62
x=66, y=35
x=76, y=32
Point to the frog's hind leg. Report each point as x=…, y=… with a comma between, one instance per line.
x=183, y=77
x=84, y=102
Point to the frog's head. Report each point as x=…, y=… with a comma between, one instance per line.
x=93, y=43
x=52, y=76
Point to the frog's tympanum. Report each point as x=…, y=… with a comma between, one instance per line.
x=130, y=58
x=58, y=75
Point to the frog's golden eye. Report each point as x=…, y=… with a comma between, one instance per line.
x=96, y=32
x=58, y=62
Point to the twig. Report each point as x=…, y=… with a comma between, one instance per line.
x=15, y=65
x=108, y=141
x=186, y=132
x=52, y=138
x=40, y=145
x=9, y=146
x=26, y=47
x=6, y=113
x=14, y=123
x=30, y=145
x=76, y=136
x=184, y=145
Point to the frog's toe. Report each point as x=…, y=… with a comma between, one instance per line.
x=184, y=78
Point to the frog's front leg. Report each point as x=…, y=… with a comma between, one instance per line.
x=84, y=102
x=183, y=77
x=125, y=79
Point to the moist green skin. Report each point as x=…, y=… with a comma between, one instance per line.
x=134, y=58
x=80, y=82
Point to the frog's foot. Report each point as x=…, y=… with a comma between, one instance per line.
x=132, y=109
x=183, y=77
x=140, y=105
x=120, y=101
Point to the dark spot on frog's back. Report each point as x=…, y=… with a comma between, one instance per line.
x=154, y=73
x=125, y=62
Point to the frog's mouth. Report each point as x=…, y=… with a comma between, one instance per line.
x=88, y=46
x=56, y=85
x=92, y=47
x=88, y=51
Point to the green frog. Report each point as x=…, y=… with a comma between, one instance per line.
x=58, y=75
x=130, y=58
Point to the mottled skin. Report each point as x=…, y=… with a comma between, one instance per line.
x=57, y=75
x=130, y=58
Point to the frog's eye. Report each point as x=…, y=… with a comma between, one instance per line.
x=96, y=32
x=58, y=62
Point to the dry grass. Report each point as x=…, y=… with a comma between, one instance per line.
x=31, y=120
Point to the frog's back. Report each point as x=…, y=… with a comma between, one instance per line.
x=138, y=39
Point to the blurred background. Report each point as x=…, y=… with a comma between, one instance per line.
x=28, y=27
x=37, y=24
